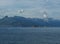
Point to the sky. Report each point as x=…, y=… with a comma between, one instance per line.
x=32, y=8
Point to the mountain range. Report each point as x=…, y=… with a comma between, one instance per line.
x=18, y=21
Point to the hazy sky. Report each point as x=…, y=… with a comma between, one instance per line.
x=32, y=8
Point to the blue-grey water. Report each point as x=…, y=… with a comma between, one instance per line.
x=29, y=35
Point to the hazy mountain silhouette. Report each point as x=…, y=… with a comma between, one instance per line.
x=18, y=21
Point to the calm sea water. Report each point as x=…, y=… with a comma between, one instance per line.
x=29, y=35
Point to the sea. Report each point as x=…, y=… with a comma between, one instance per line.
x=29, y=35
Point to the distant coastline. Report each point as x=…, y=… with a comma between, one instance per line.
x=18, y=21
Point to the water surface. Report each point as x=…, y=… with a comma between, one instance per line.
x=17, y=35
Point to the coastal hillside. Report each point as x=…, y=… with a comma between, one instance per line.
x=18, y=21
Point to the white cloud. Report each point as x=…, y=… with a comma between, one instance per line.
x=33, y=8
x=6, y=2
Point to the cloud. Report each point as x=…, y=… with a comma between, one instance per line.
x=32, y=8
x=6, y=2
x=30, y=3
x=33, y=13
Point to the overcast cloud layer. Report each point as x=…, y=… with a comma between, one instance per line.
x=32, y=8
